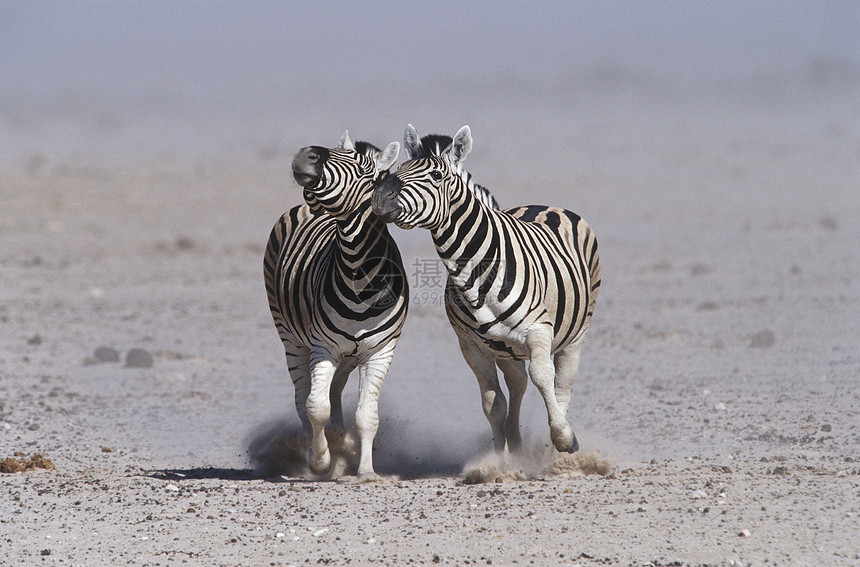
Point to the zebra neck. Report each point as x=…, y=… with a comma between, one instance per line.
x=461, y=238
x=361, y=237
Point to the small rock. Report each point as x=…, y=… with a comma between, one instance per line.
x=763, y=339
x=106, y=354
x=744, y=533
x=720, y=407
x=698, y=494
x=138, y=358
x=45, y=552
x=184, y=243
x=826, y=428
x=700, y=270
x=320, y=532
x=172, y=488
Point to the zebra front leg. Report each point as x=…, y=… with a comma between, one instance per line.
x=492, y=398
x=318, y=409
x=542, y=373
x=371, y=375
x=566, y=366
x=336, y=393
x=517, y=380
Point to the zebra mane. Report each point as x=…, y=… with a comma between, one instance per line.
x=436, y=145
x=371, y=151
x=367, y=149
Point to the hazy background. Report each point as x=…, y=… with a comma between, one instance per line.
x=270, y=71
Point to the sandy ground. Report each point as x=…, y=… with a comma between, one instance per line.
x=719, y=382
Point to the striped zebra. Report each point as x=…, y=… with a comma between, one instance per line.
x=436, y=145
x=522, y=285
x=337, y=290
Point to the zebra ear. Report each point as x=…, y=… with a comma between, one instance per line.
x=345, y=142
x=461, y=146
x=411, y=142
x=388, y=156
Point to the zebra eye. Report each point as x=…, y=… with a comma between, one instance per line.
x=436, y=175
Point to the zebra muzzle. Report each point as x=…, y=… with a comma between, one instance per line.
x=308, y=165
x=385, y=200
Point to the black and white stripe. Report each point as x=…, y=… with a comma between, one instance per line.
x=522, y=284
x=337, y=290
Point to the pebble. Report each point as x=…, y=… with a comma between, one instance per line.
x=698, y=494
x=720, y=407
x=106, y=354
x=138, y=358
x=744, y=533
x=320, y=532
x=172, y=488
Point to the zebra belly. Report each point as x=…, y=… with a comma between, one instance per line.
x=495, y=338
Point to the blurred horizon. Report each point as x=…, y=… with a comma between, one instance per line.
x=202, y=53
x=92, y=80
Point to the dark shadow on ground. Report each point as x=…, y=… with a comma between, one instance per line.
x=204, y=473
x=280, y=448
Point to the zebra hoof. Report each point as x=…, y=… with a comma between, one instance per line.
x=322, y=465
x=565, y=441
x=574, y=445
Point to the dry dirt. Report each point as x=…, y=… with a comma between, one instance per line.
x=716, y=406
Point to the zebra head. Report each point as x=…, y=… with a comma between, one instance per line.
x=436, y=145
x=420, y=193
x=336, y=180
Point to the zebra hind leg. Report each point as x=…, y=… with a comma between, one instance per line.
x=371, y=375
x=542, y=373
x=318, y=409
x=492, y=398
x=517, y=380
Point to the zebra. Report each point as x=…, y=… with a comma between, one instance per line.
x=522, y=285
x=337, y=290
x=436, y=145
